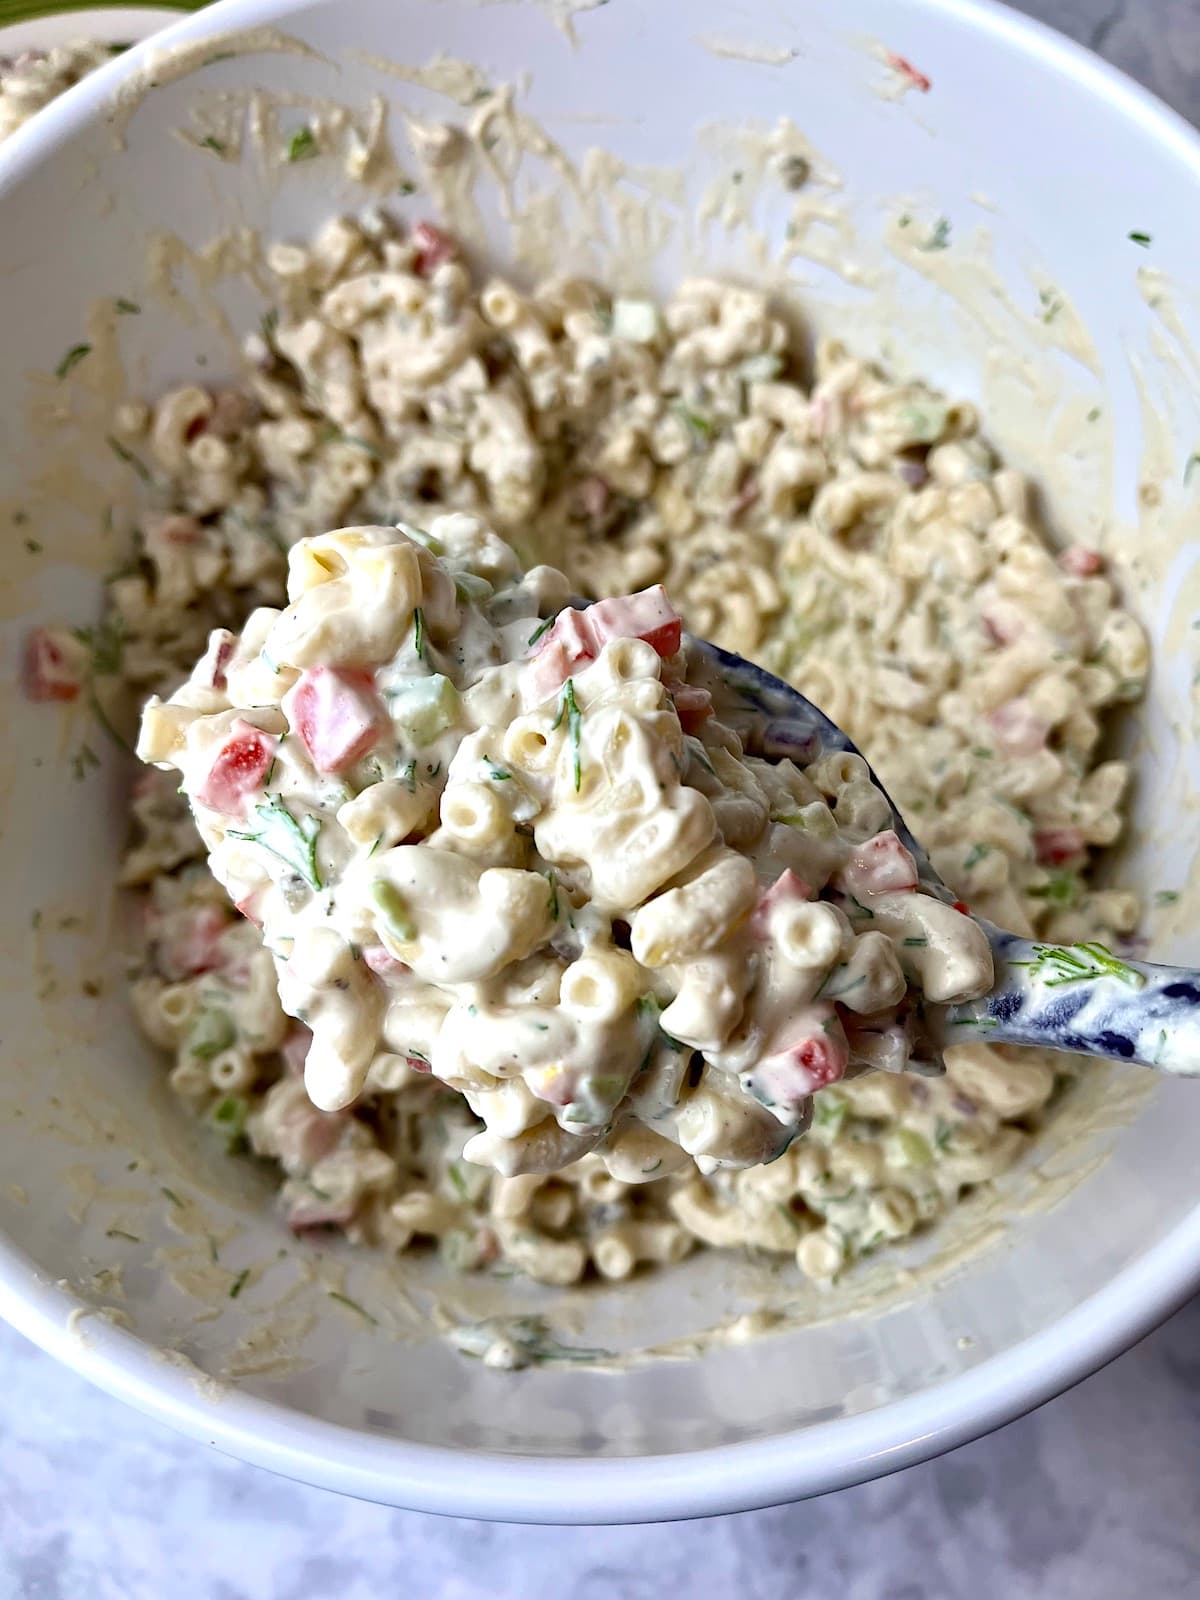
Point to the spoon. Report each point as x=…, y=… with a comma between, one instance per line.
x=1077, y=997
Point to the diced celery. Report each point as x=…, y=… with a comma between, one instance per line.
x=422, y=708
x=211, y=1033
x=814, y=818
x=469, y=586
x=913, y=1150
x=760, y=369
x=635, y=320
x=394, y=909
x=431, y=542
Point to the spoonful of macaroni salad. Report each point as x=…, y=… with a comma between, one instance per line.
x=624, y=892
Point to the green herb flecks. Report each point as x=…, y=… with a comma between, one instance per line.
x=239, y=1283
x=408, y=777
x=120, y=1233
x=529, y=1337
x=1138, y=237
x=829, y=1113
x=541, y=628
x=353, y=1305
x=1051, y=304
x=916, y=942
x=302, y=146
x=702, y=429
x=228, y=1118
x=419, y=633
x=292, y=840
x=975, y=855
x=498, y=774
x=1060, y=889
x=939, y=239
x=105, y=644
x=569, y=706
x=394, y=909
x=128, y=457
x=454, y=1173
x=83, y=759
x=171, y=1195
x=1058, y=964
x=212, y=1033
x=1166, y=897
x=1193, y=462
x=127, y=308
x=552, y=901
x=72, y=359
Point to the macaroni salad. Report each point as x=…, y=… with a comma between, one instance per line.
x=35, y=77
x=853, y=532
x=522, y=853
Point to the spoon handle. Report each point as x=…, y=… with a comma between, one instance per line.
x=1082, y=998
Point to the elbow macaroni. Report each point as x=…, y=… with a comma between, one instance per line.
x=549, y=1027
x=925, y=624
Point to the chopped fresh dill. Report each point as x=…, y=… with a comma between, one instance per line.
x=345, y=1300
x=568, y=705
x=302, y=146
x=72, y=359
x=1057, y=964
x=293, y=841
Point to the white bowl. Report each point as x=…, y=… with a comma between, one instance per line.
x=1094, y=1240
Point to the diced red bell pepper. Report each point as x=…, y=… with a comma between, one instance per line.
x=1018, y=729
x=1053, y=846
x=880, y=866
x=309, y=1211
x=578, y=637
x=193, y=945
x=237, y=769
x=787, y=887
x=249, y=907
x=434, y=246
x=179, y=529
x=210, y=669
x=337, y=714
x=1080, y=562
x=564, y=649
x=54, y=664
x=810, y=1060
x=1002, y=626
x=906, y=70
x=647, y=615
x=693, y=706
x=382, y=962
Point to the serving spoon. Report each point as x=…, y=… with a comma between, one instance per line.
x=1078, y=997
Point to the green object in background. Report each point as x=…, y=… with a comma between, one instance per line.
x=28, y=10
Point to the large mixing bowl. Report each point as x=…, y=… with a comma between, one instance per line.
x=1062, y=186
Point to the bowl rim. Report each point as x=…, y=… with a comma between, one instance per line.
x=558, y=1489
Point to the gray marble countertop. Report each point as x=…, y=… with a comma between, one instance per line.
x=1091, y=1498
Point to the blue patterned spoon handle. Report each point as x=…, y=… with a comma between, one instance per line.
x=1082, y=998
x=1078, y=997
